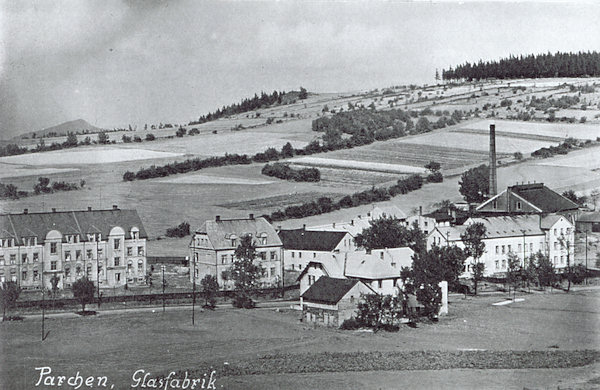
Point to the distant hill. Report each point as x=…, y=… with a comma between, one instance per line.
x=78, y=126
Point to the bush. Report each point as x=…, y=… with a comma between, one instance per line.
x=182, y=230
x=243, y=302
x=351, y=324
x=150, y=137
x=435, y=177
x=285, y=172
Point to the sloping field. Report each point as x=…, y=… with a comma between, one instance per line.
x=562, y=130
x=85, y=156
x=355, y=177
x=10, y=170
x=586, y=158
x=359, y=165
x=241, y=142
x=396, y=152
x=278, y=201
x=475, y=142
x=208, y=179
x=535, y=137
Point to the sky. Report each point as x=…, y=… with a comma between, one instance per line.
x=115, y=63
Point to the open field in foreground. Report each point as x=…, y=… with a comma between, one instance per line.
x=265, y=340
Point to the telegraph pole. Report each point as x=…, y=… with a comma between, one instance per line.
x=163, y=286
x=193, y=290
x=586, y=255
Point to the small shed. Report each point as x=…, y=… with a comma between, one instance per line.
x=331, y=301
x=588, y=222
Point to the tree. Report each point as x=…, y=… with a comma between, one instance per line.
x=83, y=291
x=565, y=244
x=71, y=140
x=389, y=232
x=103, y=138
x=181, y=132
x=435, y=176
x=474, y=184
x=287, y=151
x=572, y=196
x=245, y=273
x=209, y=288
x=433, y=166
x=423, y=125
x=42, y=186
x=513, y=272
x=54, y=280
x=150, y=137
x=594, y=196
x=546, y=273
x=9, y=293
x=303, y=93
x=472, y=238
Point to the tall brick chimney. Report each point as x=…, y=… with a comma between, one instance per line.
x=493, y=175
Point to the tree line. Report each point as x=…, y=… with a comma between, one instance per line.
x=285, y=172
x=254, y=103
x=43, y=186
x=530, y=66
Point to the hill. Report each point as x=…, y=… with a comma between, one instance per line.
x=78, y=126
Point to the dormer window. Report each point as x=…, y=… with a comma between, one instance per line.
x=135, y=233
x=494, y=204
x=518, y=205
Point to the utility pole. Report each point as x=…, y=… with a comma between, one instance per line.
x=163, y=286
x=193, y=289
x=586, y=255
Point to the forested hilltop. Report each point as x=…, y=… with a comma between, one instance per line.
x=257, y=102
x=531, y=66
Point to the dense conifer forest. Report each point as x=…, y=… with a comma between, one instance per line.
x=579, y=64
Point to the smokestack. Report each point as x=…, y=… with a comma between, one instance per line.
x=493, y=176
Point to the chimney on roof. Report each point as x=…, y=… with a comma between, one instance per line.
x=333, y=225
x=251, y=216
x=278, y=227
x=89, y=208
x=218, y=218
x=53, y=209
x=115, y=207
x=493, y=176
x=25, y=211
x=304, y=226
x=351, y=222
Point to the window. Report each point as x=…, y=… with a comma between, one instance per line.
x=100, y=269
x=141, y=267
x=1, y=259
x=36, y=275
x=272, y=271
x=117, y=261
x=88, y=271
x=503, y=249
x=24, y=275
x=67, y=255
x=67, y=271
x=509, y=250
x=117, y=244
x=99, y=252
x=299, y=255
x=518, y=205
x=497, y=264
x=555, y=259
x=78, y=254
x=311, y=279
x=531, y=247
x=129, y=251
x=520, y=248
x=380, y=283
x=53, y=248
x=262, y=255
x=223, y=259
x=292, y=267
x=130, y=266
x=562, y=259
x=233, y=242
x=88, y=253
x=425, y=223
x=568, y=230
x=293, y=255
x=263, y=240
x=555, y=245
x=497, y=249
x=140, y=251
x=314, y=255
x=556, y=232
x=118, y=277
x=494, y=204
x=24, y=258
x=381, y=255
x=273, y=255
x=13, y=259
x=561, y=231
x=504, y=263
x=53, y=265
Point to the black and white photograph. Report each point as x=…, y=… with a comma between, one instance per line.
x=287, y=194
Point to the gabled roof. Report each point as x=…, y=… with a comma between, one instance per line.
x=332, y=265
x=220, y=231
x=510, y=226
x=329, y=290
x=544, y=198
x=387, y=211
x=549, y=220
x=69, y=222
x=371, y=266
x=311, y=240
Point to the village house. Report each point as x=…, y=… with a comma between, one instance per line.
x=361, y=222
x=213, y=245
x=106, y=246
x=379, y=268
x=523, y=235
x=301, y=246
x=331, y=301
x=589, y=222
x=533, y=198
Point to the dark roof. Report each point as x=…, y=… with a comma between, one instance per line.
x=589, y=217
x=220, y=231
x=310, y=240
x=543, y=197
x=328, y=290
x=69, y=222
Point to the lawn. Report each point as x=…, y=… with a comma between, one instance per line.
x=266, y=341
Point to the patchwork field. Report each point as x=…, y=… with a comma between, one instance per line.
x=560, y=130
x=18, y=170
x=207, y=179
x=357, y=165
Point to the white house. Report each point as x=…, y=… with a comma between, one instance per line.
x=300, y=246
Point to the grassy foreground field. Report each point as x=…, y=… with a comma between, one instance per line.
x=551, y=330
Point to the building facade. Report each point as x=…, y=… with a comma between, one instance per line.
x=213, y=245
x=106, y=246
x=301, y=246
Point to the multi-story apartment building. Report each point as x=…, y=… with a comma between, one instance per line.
x=107, y=246
x=213, y=246
x=522, y=235
x=300, y=246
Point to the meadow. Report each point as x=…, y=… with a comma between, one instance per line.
x=264, y=344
